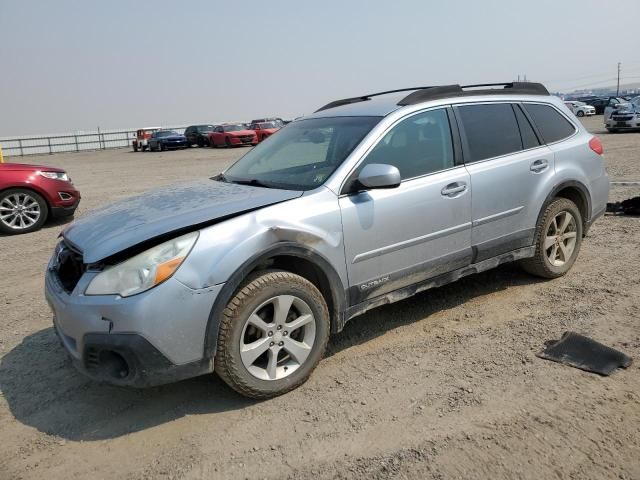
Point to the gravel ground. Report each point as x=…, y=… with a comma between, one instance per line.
x=443, y=385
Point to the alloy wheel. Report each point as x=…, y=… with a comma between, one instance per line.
x=560, y=240
x=277, y=337
x=19, y=211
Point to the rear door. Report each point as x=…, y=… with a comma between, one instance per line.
x=508, y=165
x=400, y=236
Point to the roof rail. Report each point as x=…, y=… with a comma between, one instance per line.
x=523, y=88
x=422, y=94
x=364, y=98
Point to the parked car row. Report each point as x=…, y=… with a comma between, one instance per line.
x=223, y=135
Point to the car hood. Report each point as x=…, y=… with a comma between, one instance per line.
x=173, y=137
x=241, y=133
x=27, y=167
x=180, y=207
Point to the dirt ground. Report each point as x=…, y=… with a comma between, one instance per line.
x=443, y=385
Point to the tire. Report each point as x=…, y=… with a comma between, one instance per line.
x=549, y=227
x=580, y=113
x=267, y=376
x=161, y=147
x=28, y=221
x=200, y=142
x=135, y=147
x=227, y=142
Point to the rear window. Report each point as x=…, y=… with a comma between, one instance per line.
x=550, y=123
x=491, y=130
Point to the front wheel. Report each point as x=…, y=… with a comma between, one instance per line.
x=227, y=142
x=22, y=211
x=273, y=334
x=558, y=241
x=580, y=113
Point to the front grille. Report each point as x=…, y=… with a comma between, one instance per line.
x=246, y=138
x=68, y=266
x=622, y=119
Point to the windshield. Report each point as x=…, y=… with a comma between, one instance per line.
x=205, y=128
x=579, y=104
x=267, y=125
x=232, y=128
x=166, y=133
x=303, y=154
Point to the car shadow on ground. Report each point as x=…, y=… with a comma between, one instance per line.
x=43, y=390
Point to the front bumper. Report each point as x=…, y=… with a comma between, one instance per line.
x=62, y=210
x=633, y=123
x=154, y=337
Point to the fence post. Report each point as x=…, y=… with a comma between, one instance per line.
x=1, y=157
x=76, y=137
x=20, y=145
x=49, y=142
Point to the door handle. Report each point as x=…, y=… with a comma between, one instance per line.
x=453, y=189
x=539, y=166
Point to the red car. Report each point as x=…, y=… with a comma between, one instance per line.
x=231, y=135
x=264, y=129
x=30, y=194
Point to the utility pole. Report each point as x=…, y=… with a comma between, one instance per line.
x=618, y=87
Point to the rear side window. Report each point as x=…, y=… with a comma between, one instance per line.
x=491, y=130
x=529, y=138
x=550, y=123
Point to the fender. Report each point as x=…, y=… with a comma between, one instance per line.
x=584, y=194
x=338, y=292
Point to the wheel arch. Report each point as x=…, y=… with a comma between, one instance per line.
x=293, y=258
x=575, y=191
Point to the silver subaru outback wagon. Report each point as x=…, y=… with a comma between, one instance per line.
x=366, y=202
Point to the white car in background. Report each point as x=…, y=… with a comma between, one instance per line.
x=581, y=109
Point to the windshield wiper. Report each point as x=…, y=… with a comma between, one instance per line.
x=253, y=182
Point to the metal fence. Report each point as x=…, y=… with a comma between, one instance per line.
x=77, y=142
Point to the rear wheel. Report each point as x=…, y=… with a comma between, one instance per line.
x=135, y=147
x=273, y=334
x=22, y=211
x=559, y=237
x=200, y=142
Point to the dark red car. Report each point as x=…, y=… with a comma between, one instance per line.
x=232, y=134
x=30, y=194
x=264, y=129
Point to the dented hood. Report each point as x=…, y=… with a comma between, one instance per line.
x=130, y=222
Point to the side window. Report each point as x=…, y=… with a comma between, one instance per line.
x=418, y=145
x=490, y=129
x=550, y=123
x=529, y=138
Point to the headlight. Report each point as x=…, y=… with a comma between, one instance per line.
x=55, y=175
x=145, y=270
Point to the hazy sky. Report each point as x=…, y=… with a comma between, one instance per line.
x=73, y=65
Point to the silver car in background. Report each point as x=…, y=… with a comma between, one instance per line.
x=368, y=201
x=625, y=116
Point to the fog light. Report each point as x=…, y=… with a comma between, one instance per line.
x=64, y=196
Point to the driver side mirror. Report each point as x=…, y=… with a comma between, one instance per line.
x=378, y=175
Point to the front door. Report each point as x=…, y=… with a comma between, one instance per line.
x=400, y=236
